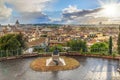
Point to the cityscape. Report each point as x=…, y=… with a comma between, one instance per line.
x=60, y=40
x=37, y=35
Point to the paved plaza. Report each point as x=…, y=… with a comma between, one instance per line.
x=90, y=69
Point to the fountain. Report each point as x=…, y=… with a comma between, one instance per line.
x=54, y=63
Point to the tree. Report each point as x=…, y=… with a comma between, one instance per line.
x=77, y=45
x=59, y=47
x=12, y=43
x=21, y=40
x=110, y=45
x=118, y=43
x=98, y=47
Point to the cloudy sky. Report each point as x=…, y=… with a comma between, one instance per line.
x=60, y=11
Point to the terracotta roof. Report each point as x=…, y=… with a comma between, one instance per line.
x=54, y=41
x=47, y=30
x=36, y=42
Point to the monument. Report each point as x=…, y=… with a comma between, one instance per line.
x=54, y=63
x=55, y=60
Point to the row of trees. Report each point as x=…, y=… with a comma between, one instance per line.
x=48, y=48
x=80, y=45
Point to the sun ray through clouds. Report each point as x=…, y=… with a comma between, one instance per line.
x=111, y=8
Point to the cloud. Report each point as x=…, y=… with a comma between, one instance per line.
x=28, y=5
x=72, y=12
x=24, y=10
x=5, y=12
x=70, y=9
x=74, y=15
x=34, y=16
x=34, y=10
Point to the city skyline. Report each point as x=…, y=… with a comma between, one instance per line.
x=60, y=11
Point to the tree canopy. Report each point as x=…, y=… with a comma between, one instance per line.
x=99, y=46
x=110, y=45
x=12, y=42
x=77, y=45
x=59, y=47
x=118, y=43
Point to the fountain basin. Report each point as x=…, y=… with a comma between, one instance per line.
x=40, y=64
